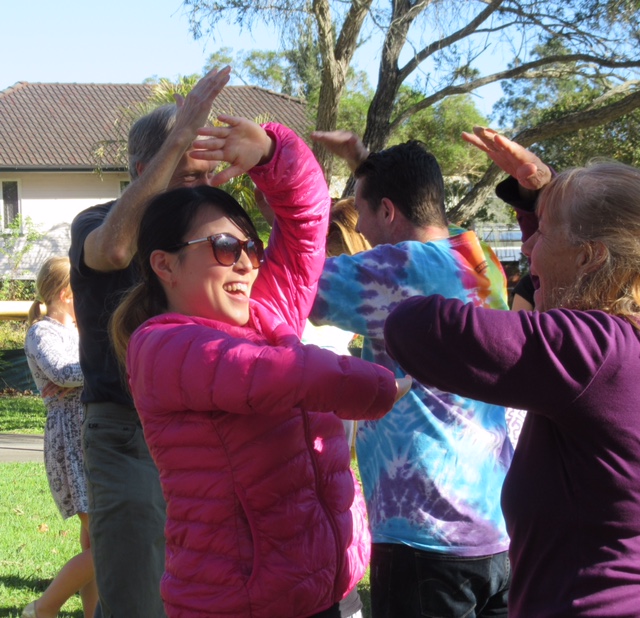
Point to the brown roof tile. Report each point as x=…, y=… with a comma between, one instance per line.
x=59, y=126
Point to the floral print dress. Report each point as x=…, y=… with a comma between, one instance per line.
x=52, y=354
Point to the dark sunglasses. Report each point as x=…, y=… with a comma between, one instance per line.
x=227, y=249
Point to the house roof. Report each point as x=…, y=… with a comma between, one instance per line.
x=46, y=127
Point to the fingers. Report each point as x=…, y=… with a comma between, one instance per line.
x=474, y=141
x=232, y=121
x=404, y=386
x=227, y=174
x=214, y=81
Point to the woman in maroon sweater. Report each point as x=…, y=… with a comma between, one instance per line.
x=572, y=496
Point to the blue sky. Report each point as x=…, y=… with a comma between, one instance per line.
x=120, y=41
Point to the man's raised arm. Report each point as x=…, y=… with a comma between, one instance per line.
x=112, y=245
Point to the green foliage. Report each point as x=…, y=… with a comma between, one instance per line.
x=12, y=333
x=18, y=238
x=22, y=413
x=294, y=72
x=532, y=102
x=164, y=90
x=35, y=542
x=439, y=127
x=242, y=188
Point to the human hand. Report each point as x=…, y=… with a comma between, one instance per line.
x=55, y=390
x=528, y=169
x=404, y=386
x=243, y=144
x=194, y=109
x=344, y=144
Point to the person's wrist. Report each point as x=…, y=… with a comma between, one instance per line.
x=269, y=150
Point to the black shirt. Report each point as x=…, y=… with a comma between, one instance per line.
x=95, y=297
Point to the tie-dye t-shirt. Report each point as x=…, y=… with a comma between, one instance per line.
x=433, y=467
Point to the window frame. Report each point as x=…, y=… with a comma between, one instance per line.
x=5, y=221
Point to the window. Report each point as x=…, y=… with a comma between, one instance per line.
x=10, y=202
x=123, y=185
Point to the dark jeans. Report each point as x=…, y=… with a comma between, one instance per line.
x=126, y=513
x=408, y=583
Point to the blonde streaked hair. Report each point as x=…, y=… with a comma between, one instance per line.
x=342, y=237
x=53, y=277
x=601, y=209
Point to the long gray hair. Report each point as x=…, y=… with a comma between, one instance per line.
x=601, y=207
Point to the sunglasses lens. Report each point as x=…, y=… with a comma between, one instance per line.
x=226, y=249
x=255, y=252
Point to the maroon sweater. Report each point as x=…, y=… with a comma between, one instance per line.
x=571, y=499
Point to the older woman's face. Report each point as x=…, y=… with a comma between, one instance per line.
x=555, y=260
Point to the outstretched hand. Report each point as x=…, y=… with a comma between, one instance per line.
x=529, y=170
x=344, y=144
x=194, y=109
x=243, y=144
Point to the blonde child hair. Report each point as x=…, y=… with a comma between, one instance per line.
x=53, y=277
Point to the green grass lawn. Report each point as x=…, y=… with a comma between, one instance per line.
x=35, y=541
x=22, y=414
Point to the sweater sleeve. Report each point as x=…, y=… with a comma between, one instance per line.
x=193, y=367
x=295, y=188
x=48, y=350
x=525, y=209
x=534, y=361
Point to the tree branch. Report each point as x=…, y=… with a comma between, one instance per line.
x=569, y=123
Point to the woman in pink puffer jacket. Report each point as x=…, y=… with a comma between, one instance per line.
x=264, y=516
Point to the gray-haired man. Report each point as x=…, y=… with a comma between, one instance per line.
x=126, y=507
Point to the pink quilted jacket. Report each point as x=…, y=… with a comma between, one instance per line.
x=264, y=517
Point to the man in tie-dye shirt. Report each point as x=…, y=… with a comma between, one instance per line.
x=433, y=468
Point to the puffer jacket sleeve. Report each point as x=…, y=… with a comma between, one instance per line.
x=188, y=366
x=295, y=188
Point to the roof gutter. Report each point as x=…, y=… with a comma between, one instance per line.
x=69, y=168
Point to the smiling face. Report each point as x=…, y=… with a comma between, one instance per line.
x=196, y=284
x=556, y=262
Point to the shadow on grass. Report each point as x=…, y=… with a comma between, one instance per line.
x=16, y=612
x=36, y=585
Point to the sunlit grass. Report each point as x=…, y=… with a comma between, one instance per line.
x=35, y=541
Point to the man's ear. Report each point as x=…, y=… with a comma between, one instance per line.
x=140, y=167
x=163, y=264
x=591, y=256
x=388, y=210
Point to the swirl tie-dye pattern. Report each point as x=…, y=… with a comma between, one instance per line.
x=433, y=468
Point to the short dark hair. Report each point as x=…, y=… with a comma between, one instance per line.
x=409, y=175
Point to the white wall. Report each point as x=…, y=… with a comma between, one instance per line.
x=52, y=200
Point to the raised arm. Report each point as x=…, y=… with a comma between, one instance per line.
x=112, y=245
x=344, y=144
x=532, y=174
x=528, y=174
x=221, y=372
x=284, y=169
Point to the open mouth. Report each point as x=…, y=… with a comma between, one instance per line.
x=236, y=289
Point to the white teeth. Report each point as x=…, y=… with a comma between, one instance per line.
x=236, y=287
